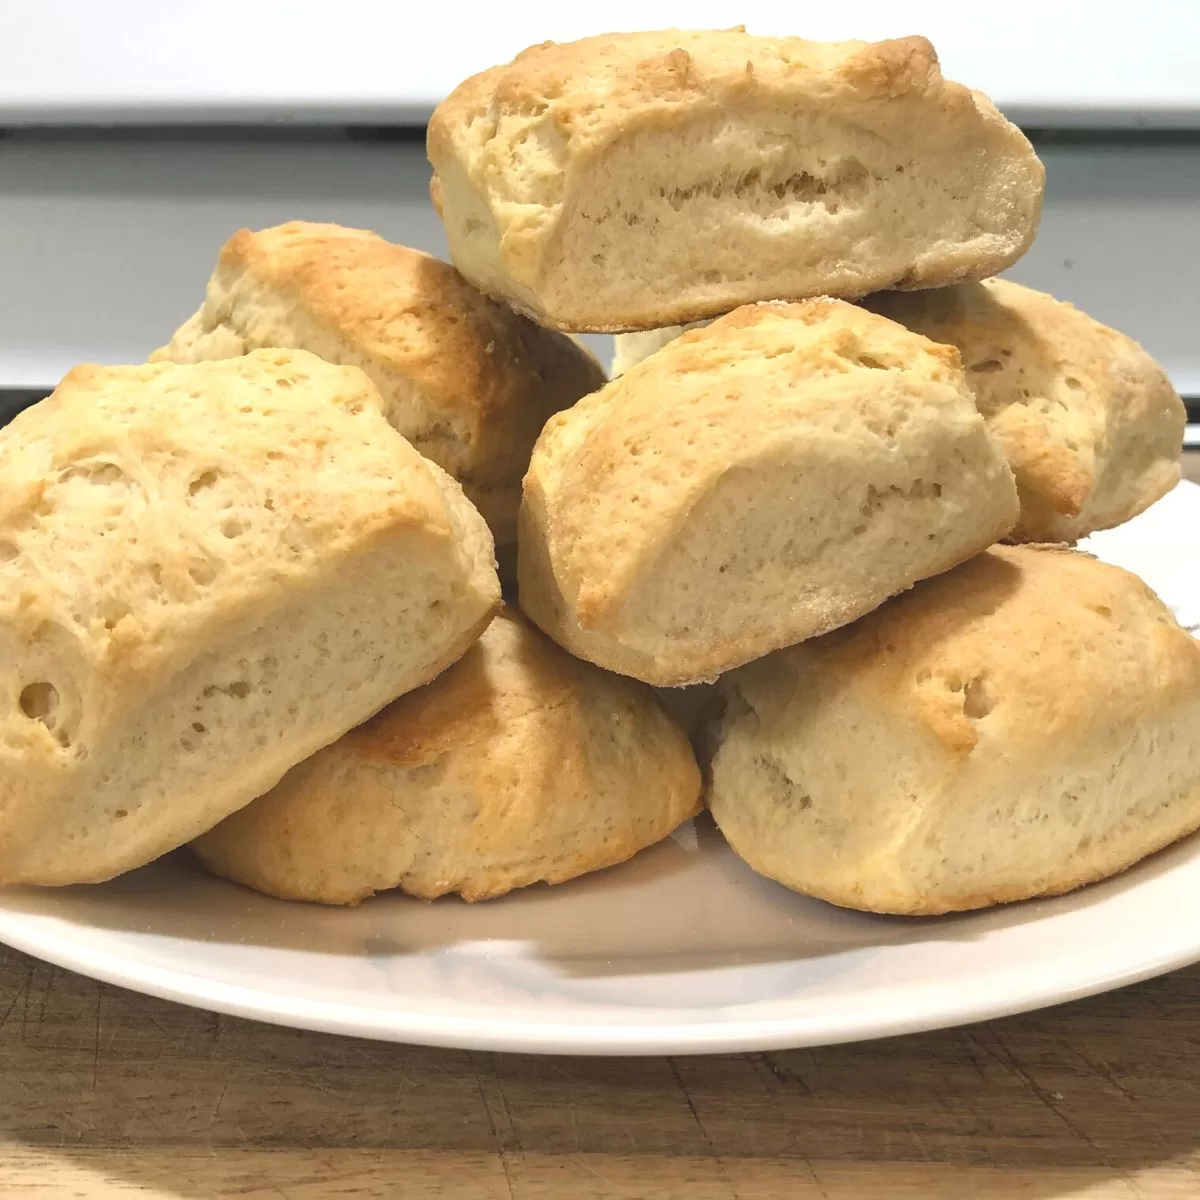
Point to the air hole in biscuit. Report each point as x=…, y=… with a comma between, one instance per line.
x=978, y=700
x=872, y=364
x=924, y=675
x=114, y=613
x=986, y=367
x=202, y=573
x=202, y=482
x=231, y=527
x=239, y=689
x=283, y=383
x=1073, y=383
x=104, y=474
x=871, y=503
x=39, y=702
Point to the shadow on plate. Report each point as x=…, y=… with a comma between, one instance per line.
x=688, y=904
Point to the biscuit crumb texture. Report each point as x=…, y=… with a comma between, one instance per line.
x=465, y=379
x=756, y=482
x=207, y=573
x=1021, y=726
x=633, y=181
x=518, y=765
x=1088, y=420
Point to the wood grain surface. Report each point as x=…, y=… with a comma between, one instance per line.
x=108, y=1094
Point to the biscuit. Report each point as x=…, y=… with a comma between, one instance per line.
x=1020, y=726
x=1087, y=419
x=520, y=764
x=759, y=481
x=466, y=380
x=207, y=573
x=637, y=180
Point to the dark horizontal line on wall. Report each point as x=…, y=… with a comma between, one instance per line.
x=1117, y=135
x=286, y=132
x=301, y=129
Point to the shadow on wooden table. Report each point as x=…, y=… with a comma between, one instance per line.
x=105, y=1093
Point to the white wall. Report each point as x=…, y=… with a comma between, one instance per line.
x=1103, y=62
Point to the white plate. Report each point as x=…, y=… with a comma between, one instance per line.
x=683, y=949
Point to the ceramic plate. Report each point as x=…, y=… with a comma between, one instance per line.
x=683, y=949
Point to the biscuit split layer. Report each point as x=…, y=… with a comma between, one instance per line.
x=631, y=181
x=754, y=483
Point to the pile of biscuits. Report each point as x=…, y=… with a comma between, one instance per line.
x=251, y=591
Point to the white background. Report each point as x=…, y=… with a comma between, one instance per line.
x=1104, y=62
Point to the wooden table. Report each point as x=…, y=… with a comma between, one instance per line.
x=104, y=1093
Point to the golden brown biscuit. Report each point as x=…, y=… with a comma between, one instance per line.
x=520, y=764
x=1020, y=726
x=1087, y=419
x=467, y=381
x=208, y=572
x=636, y=180
x=754, y=483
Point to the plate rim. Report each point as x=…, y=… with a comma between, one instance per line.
x=423, y=1028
